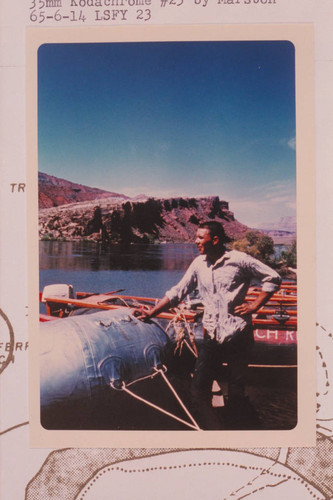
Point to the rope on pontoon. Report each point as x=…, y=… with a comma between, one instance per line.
x=195, y=354
x=178, y=398
x=177, y=323
x=153, y=375
x=193, y=425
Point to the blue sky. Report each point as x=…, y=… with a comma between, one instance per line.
x=173, y=119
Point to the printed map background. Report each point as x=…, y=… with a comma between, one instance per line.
x=117, y=473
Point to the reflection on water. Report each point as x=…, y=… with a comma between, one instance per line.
x=93, y=256
x=141, y=270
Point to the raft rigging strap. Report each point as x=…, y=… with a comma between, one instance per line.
x=192, y=425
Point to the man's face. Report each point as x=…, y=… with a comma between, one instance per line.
x=204, y=241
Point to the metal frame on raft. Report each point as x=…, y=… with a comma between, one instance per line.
x=280, y=311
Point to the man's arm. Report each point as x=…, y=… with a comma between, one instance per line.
x=270, y=280
x=146, y=314
x=173, y=296
x=255, y=305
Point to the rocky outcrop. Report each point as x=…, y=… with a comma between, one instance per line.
x=70, y=211
x=53, y=192
x=151, y=220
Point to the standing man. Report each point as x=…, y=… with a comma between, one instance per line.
x=223, y=278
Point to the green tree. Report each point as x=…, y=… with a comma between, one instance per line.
x=289, y=256
x=266, y=247
x=257, y=244
x=252, y=237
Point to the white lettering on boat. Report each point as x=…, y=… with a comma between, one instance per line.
x=275, y=336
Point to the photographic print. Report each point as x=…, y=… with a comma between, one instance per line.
x=167, y=212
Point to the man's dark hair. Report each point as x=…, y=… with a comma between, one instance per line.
x=215, y=229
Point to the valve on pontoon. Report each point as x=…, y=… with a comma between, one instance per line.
x=153, y=357
x=113, y=372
